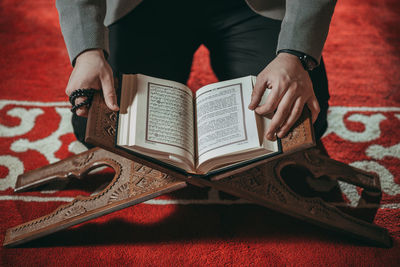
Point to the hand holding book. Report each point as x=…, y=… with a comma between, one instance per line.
x=91, y=70
x=291, y=89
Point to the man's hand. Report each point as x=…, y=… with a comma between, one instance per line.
x=92, y=71
x=291, y=90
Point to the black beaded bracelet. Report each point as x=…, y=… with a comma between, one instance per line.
x=75, y=107
x=83, y=92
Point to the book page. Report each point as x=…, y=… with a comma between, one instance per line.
x=169, y=117
x=160, y=119
x=224, y=123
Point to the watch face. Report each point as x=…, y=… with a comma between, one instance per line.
x=307, y=62
x=310, y=66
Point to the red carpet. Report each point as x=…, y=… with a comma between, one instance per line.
x=197, y=226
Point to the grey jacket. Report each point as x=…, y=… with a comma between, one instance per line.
x=304, y=27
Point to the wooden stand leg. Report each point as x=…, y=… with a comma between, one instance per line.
x=266, y=186
x=133, y=183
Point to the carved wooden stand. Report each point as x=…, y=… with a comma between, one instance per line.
x=134, y=183
x=301, y=182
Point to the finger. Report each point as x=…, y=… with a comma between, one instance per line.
x=258, y=92
x=272, y=101
x=313, y=105
x=281, y=114
x=82, y=111
x=293, y=117
x=110, y=96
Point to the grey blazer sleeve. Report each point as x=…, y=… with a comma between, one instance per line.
x=82, y=25
x=305, y=26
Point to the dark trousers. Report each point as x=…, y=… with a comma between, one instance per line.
x=159, y=38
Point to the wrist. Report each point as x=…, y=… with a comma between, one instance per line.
x=288, y=56
x=90, y=54
x=290, y=59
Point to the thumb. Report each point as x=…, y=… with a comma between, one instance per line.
x=110, y=97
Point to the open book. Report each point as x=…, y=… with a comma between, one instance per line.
x=200, y=132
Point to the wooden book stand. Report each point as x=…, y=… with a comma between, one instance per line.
x=301, y=182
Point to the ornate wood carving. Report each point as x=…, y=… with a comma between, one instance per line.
x=301, y=135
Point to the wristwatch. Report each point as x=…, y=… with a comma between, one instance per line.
x=307, y=61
